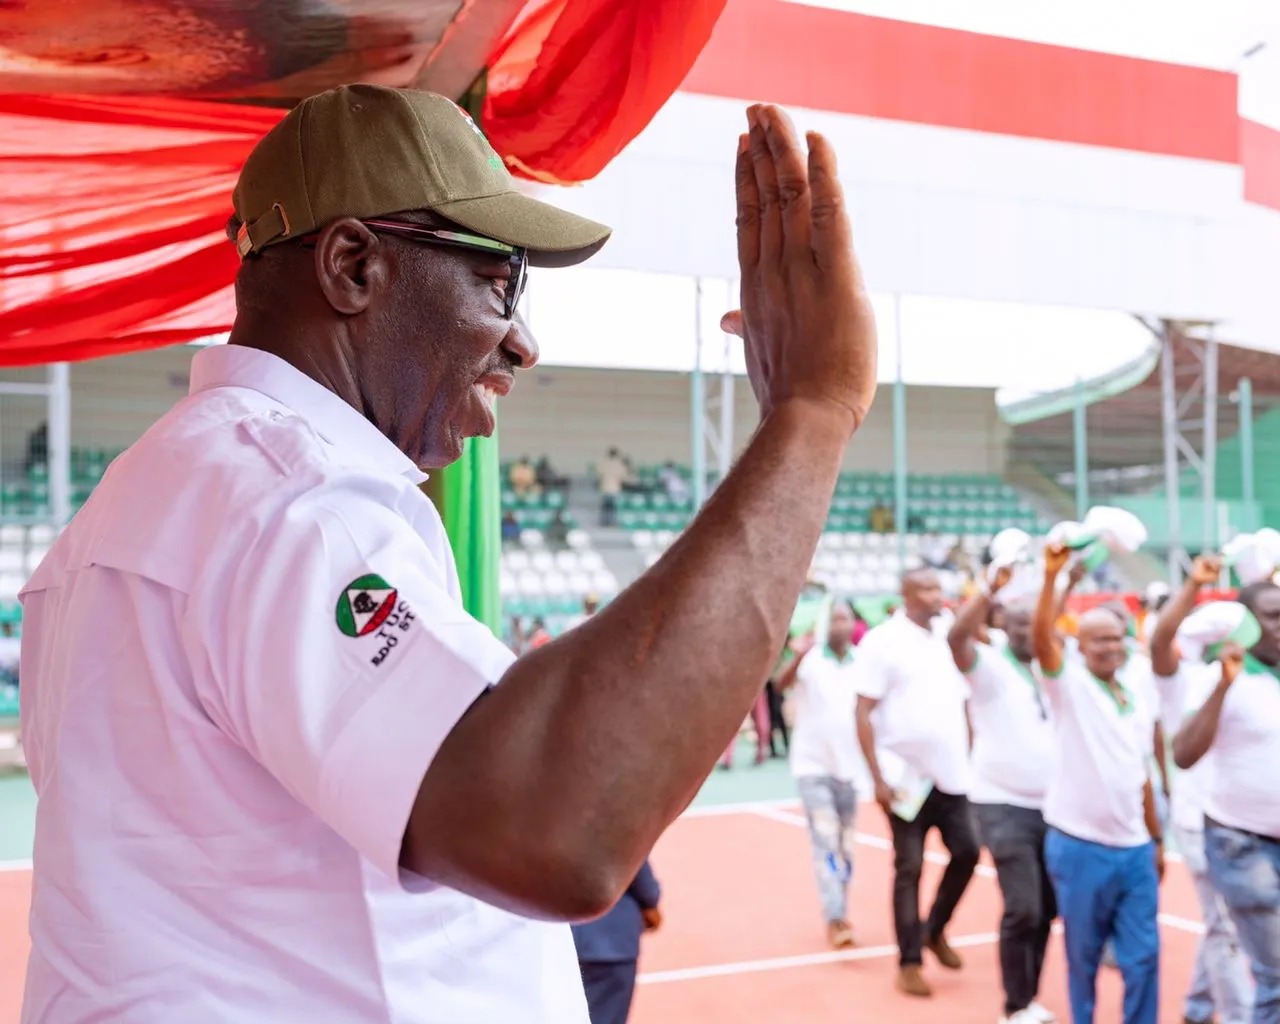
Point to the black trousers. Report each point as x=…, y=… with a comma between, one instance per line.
x=1015, y=837
x=952, y=817
x=777, y=722
x=610, y=986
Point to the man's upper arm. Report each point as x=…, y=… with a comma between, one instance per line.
x=870, y=670
x=340, y=660
x=983, y=684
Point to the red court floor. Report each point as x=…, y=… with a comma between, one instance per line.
x=743, y=941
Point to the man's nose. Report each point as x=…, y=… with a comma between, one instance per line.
x=520, y=345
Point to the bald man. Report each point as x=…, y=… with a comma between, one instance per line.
x=1104, y=850
x=914, y=731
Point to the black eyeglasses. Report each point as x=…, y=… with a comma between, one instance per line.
x=516, y=257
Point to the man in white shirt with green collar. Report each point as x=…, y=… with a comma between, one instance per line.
x=1104, y=849
x=825, y=761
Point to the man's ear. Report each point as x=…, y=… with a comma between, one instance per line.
x=351, y=265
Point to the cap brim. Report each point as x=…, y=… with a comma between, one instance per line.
x=553, y=237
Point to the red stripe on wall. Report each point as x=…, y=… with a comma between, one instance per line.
x=855, y=64
x=1260, y=155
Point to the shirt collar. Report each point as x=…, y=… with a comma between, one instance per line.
x=831, y=656
x=337, y=423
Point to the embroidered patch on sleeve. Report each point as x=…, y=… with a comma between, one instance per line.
x=364, y=605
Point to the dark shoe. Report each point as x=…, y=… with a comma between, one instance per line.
x=1192, y=1020
x=911, y=982
x=947, y=956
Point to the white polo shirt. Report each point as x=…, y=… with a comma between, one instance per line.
x=823, y=736
x=1095, y=786
x=1242, y=784
x=1013, y=737
x=920, y=720
x=238, y=662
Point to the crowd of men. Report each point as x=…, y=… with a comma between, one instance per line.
x=1042, y=736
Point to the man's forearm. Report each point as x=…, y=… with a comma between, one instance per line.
x=1149, y=815
x=1044, y=637
x=961, y=636
x=867, y=741
x=1164, y=662
x=1196, y=737
x=600, y=739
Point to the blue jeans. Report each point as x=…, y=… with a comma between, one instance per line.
x=1221, y=988
x=1246, y=870
x=1107, y=892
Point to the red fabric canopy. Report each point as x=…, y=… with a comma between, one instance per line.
x=112, y=208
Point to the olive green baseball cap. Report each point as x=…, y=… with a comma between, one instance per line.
x=371, y=151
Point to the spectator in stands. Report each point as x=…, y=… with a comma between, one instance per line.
x=1236, y=732
x=825, y=761
x=915, y=523
x=611, y=473
x=609, y=948
x=1220, y=987
x=510, y=528
x=37, y=448
x=539, y=635
x=936, y=552
x=880, y=519
x=1104, y=848
x=523, y=478
x=913, y=727
x=590, y=605
x=548, y=478
x=557, y=532
x=1012, y=753
x=674, y=483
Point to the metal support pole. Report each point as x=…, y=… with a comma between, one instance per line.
x=698, y=410
x=900, y=510
x=1080, y=434
x=1169, y=423
x=1246, y=440
x=1209, y=455
x=59, y=408
x=726, y=411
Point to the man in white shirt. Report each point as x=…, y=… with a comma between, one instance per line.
x=1220, y=987
x=914, y=733
x=1237, y=729
x=825, y=762
x=1104, y=849
x=1013, y=743
x=282, y=775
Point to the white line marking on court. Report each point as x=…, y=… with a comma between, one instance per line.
x=783, y=963
x=745, y=807
x=15, y=865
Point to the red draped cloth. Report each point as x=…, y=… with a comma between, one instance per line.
x=112, y=208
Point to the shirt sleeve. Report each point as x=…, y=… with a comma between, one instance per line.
x=984, y=684
x=871, y=676
x=340, y=657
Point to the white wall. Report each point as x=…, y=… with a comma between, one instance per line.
x=945, y=212
x=576, y=414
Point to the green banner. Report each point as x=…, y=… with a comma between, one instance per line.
x=468, y=495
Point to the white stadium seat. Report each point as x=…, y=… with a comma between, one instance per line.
x=41, y=533
x=578, y=539
x=566, y=561
x=605, y=582
x=10, y=584
x=543, y=561
x=11, y=560
x=531, y=583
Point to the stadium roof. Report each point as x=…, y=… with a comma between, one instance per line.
x=1125, y=431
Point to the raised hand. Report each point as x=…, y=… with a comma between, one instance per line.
x=806, y=318
x=1206, y=570
x=1056, y=557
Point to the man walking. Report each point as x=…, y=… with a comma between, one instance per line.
x=1220, y=981
x=1237, y=729
x=1012, y=757
x=1104, y=849
x=824, y=761
x=609, y=948
x=913, y=729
